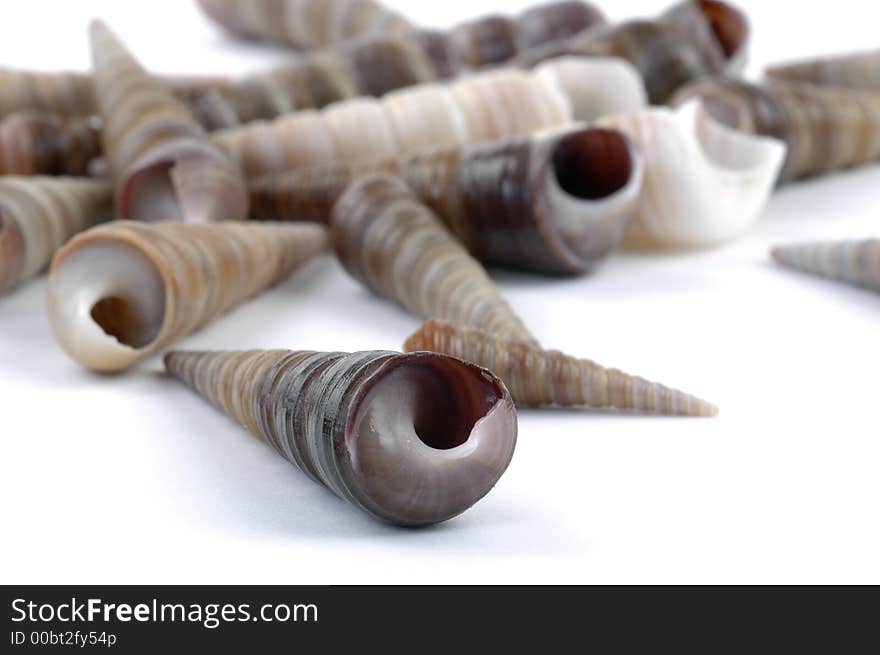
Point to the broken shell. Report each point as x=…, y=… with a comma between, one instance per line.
x=693, y=39
x=305, y=23
x=38, y=214
x=396, y=246
x=120, y=292
x=40, y=143
x=856, y=263
x=549, y=378
x=475, y=108
x=554, y=203
x=857, y=71
x=162, y=162
x=705, y=183
x=410, y=439
x=825, y=129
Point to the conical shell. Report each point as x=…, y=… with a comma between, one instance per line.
x=474, y=109
x=825, y=129
x=410, y=439
x=554, y=203
x=305, y=23
x=852, y=262
x=693, y=39
x=40, y=143
x=38, y=214
x=162, y=163
x=705, y=183
x=396, y=246
x=120, y=292
x=857, y=71
x=67, y=94
x=549, y=378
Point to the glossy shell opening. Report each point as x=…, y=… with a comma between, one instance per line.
x=150, y=194
x=429, y=436
x=593, y=164
x=107, y=304
x=730, y=26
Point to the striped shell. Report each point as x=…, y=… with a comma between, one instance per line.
x=856, y=263
x=410, y=439
x=549, y=378
x=40, y=143
x=693, y=39
x=162, y=163
x=825, y=129
x=305, y=23
x=38, y=214
x=857, y=71
x=66, y=94
x=120, y=292
x=476, y=108
x=393, y=244
x=704, y=184
x=554, y=203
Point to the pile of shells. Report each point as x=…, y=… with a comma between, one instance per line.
x=416, y=157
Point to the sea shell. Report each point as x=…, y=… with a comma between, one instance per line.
x=693, y=39
x=162, y=163
x=477, y=108
x=66, y=93
x=549, y=378
x=410, y=439
x=38, y=214
x=705, y=183
x=120, y=292
x=396, y=246
x=856, y=70
x=825, y=129
x=852, y=262
x=554, y=203
x=305, y=23
x=41, y=143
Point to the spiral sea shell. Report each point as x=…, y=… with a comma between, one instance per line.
x=852, y=262
x=549, y=378
x=40, y=143
x=162, y=163
x=411, y=439
x=693, y=39
x=120, y=292
x=857, y=70
x=705, y=183
x=38, y=214
x=474, y=109
x=554, y=203
x=305, y=23
x=825, y=129
x=393, y=244
x=65, y=93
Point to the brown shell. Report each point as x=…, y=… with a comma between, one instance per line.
x=409, y=439
x=41, y=143
x=38, y=214
x=856, y=70
x=162, y=163
x=396, y=246
x=693, y=39
x=553, y=203
x=122, y=291
x=825, y=129
x=549, y=378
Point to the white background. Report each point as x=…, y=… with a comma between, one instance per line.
x=133, y=479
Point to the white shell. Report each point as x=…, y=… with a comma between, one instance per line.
x=704, y=184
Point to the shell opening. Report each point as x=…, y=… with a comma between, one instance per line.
x=729, y=25
x=150, y=194
x=593, y=164
x=429, y=438
x=125, y=321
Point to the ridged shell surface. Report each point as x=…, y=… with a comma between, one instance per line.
x=410, y=439
x=856, y=263
x=705, y=183
x=41, y=143
x=396, y=246
x=38, y=214
x=163, y=165
x=122, y=291
x=855, y=70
